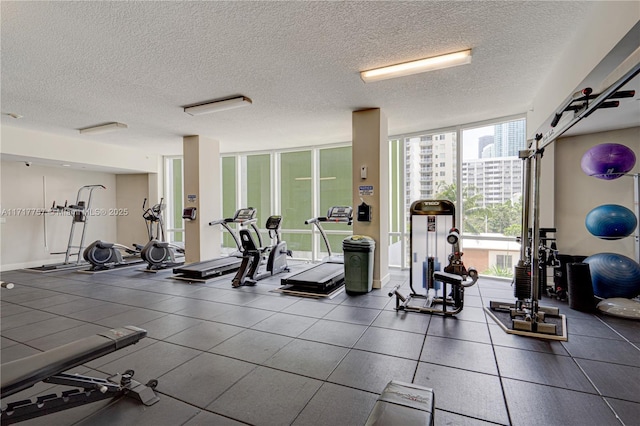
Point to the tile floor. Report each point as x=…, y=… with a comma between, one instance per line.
x=252, y=356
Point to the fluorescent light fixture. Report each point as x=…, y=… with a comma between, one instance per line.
x=416, y=67
x=216, y=106
x=103, y=128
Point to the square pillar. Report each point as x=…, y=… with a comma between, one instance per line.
x=370, y=149
x=202, y=186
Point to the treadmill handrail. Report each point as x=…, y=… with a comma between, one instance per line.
x=316, y=221
x=226, y=226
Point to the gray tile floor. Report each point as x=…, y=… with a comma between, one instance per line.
x=253, y=356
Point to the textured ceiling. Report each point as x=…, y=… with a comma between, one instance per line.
x=69, y=65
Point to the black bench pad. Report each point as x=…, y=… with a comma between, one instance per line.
x=26, y=372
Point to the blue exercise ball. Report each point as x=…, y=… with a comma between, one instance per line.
x=611, y=222
x=614, y=275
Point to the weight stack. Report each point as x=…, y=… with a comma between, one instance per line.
x=522, y=287
x=580, y=287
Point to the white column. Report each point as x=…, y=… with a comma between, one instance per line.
x=202, y=186
x=370, y=149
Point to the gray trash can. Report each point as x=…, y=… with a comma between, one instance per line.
x=358, y=263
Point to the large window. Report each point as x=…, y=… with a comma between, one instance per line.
x=297, y=185
x=335, y=190
x=258, y=185
x=491, y=182
x=173, y=194
x=229, y=197
x=423, y=167
x=398, y=240
x=489, y=175
x=296, y=191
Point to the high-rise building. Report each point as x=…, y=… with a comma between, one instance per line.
x=508, y=138
x=483, y=142
x=498, y=179
x=431, y=163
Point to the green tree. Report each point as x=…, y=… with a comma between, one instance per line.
x=502, y=218
x=473, y=214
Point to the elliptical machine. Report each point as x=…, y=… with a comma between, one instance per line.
x=103, y=255
x=158, y=253
x=262, y=262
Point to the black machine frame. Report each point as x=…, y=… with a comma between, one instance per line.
x=208, y=269
x=327, y=276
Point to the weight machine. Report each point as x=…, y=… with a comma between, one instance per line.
x=432, y=229
x=80, y=212
x=526, y=316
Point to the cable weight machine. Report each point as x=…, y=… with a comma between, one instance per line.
x=526, y=316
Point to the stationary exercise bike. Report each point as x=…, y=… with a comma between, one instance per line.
x=262, y=262
x=158, y=253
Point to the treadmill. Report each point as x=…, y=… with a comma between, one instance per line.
x=207, y=269
x=329, y=274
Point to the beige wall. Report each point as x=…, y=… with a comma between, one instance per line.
x=576, y=194
x=28, y=239
x=60, y=149
x=202, y=180
x=131, y=190
x=370, y=148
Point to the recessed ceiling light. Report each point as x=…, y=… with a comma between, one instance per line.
x=12, y=115
x=416, y=67
x=66, y=165
x=104, y=128
x=215, y=106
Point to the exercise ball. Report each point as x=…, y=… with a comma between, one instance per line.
x=614, y=275
x=610, y=222
x=608, y=161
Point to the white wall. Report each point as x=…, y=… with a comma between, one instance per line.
x=576, y=194
x=131, y=190
x=24, y=241
x=610, y=22
x=29, y=143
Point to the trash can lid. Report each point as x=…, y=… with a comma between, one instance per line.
x=360, y=237
x=358, y=241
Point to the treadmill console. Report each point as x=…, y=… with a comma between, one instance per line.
x=243, y=215
x=340, y=214
x=273, y=223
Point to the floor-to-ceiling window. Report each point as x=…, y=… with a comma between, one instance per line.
x=398, y=240
x=296, y=197
x=173, y=197
x=491, y=182
x=229, y=199
x=481, y=160
x=334, y=190
x=425, y=169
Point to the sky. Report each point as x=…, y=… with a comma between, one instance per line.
x=470, y=141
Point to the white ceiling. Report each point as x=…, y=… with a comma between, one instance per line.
x=69, y=65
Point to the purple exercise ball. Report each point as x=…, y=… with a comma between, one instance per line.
x=608, y=161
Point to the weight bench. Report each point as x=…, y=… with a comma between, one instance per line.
x=49, y=366
x=403, y=404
